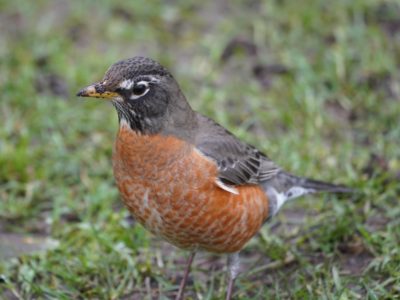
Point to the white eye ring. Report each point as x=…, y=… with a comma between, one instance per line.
x=140, y=89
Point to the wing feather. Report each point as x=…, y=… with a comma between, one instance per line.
x=238, y=163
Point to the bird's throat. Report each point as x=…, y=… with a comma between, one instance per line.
x=137, y=120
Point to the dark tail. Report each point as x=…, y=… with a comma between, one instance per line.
x=285, y=186
x=321, y=186
x=316, y=185
x=291, y=186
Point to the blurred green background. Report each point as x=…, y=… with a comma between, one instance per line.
x=314, y=84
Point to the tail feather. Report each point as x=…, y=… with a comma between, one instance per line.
x=321, y=186
x=286, y=186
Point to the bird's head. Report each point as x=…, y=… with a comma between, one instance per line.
x=145, y=95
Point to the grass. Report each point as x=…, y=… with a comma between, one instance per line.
x=315, y=85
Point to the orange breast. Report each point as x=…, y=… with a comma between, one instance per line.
x=170, y=188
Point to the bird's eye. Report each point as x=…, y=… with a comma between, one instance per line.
x=140, y=89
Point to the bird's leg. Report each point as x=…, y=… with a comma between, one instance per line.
x=185, y=276
x=233, y=269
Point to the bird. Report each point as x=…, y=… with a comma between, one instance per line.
x=184, y=177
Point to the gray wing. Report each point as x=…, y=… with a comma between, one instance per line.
x=238, y=163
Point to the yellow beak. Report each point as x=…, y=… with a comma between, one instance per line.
x=97, y=90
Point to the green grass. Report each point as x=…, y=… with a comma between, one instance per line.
x=314, y=84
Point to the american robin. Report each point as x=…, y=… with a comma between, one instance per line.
x=184, y=177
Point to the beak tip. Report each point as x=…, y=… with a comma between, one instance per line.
x=96, y=91
x=81, y=93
